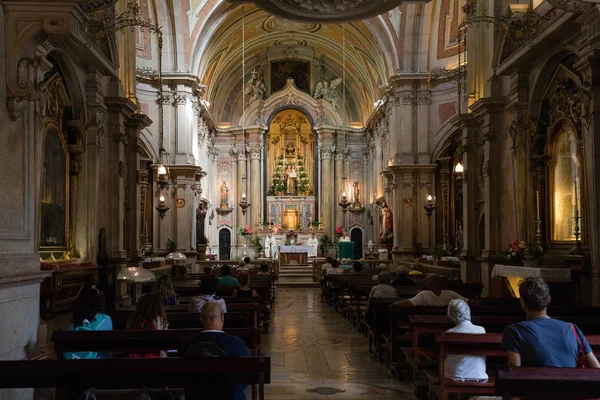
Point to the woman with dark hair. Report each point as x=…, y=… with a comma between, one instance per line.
x=163, y=287
x=149, y=315
x=264, y=270
x=244, y=290
x=208, y=292
x=89, y=316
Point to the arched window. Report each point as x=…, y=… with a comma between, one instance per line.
x=566, y=185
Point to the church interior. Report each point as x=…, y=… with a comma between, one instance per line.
x=445, y=143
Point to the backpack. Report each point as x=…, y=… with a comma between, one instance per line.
x=204, y=349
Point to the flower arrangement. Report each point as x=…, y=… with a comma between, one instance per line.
x=338, y=231
x=245, y=231
x=171, y=245
x=439, y=252
x=291, y=235
x=515, y=253
x=536, y=252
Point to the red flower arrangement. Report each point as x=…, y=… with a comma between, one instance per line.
x=339, y=230
x=245, y=231
x=291, y=235
x=515, y=253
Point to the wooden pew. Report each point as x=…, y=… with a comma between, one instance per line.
x=139, y=341
x=489, y=345
x=253, y=310
x=548, y=383
x=188, y=320
x=71, y=377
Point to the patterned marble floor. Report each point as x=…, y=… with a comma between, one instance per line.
x=316, y=354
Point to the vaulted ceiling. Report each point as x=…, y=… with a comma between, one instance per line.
x=216, y=55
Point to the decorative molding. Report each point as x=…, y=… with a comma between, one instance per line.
x=574, y=6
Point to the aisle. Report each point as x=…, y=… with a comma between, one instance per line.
x=315, y=354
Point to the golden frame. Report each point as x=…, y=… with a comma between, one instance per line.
x=56, y=102
x=557, y=130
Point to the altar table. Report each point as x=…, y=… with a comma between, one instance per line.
x=294, y=255
x=559, y=280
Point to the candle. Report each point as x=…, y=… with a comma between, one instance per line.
x=574, y=196
x=537, y=202
x=243, y=196
x=344, y=196
x=161, y=198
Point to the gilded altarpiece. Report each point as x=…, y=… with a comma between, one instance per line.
x=290, y=155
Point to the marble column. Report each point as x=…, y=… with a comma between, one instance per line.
x=339, y=185
x=470, y=268
x=254, y=185
x=242, y=187
x=326, y=189
x=445, y=179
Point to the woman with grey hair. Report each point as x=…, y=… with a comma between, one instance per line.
x=458, y=367
x=380, y=268
x=383, y=290
x=403, y=279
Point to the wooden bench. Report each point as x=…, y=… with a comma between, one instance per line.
x=182, y=320
x=548, y=383
x=71, y=377
x=139, y=341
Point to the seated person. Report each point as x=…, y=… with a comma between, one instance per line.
x=242, y=266
x=367, y=269
x=403, y=279
x=383, y=289
x=207, y=270
x=345, y=265
x=380, y=268
x=541, y=341
x=225, y=279
x=163, y=287
x=149, y=315
x=357, y=268
x=244, y=289
x=213, y=342
x=326, y=265
x=434, y=296
x=208, y=290
x=89, y=315
x=264, y=270
x=334, y=270
x=457, y=367
x=248, y=262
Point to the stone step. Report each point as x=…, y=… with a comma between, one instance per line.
x=296, y=282
x=296, y=270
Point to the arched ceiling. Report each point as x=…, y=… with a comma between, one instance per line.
x=216, y=56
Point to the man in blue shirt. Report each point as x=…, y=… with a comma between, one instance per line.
x=213, y=318
x=541, y=341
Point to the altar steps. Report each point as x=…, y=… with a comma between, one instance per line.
x=298, y=276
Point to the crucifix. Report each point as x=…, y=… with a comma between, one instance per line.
x=254, y=73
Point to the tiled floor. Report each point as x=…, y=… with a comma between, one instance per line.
x=316, y=354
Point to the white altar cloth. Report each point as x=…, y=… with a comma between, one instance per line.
x=547, y=274
x=294, y=249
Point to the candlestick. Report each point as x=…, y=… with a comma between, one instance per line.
x=537, y=203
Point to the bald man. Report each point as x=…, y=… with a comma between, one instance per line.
x=213, y=318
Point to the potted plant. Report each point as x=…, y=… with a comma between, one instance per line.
x=315, y=224
x=338, y=232
x=536, y=252
x=171, y=245
x=325, y=243
x=438, y=254
x=256, y=245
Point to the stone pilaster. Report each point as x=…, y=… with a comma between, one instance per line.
x=120, y=110
x=326, y=155
x=134, y=184
x=339, y=185
x=255, y=194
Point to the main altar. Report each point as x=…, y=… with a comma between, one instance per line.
x=290, y=170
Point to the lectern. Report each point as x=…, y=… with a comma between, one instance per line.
x=346, y=250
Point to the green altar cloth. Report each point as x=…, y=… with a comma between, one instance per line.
x=346, y=250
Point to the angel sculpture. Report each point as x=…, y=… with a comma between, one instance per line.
x=326, y=90
x=255, y=88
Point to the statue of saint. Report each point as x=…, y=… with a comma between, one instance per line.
x=224, y=195
x=200, y=216
x=356, y=203
x=291, y=182
x=290, y=150
x=387, y=225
